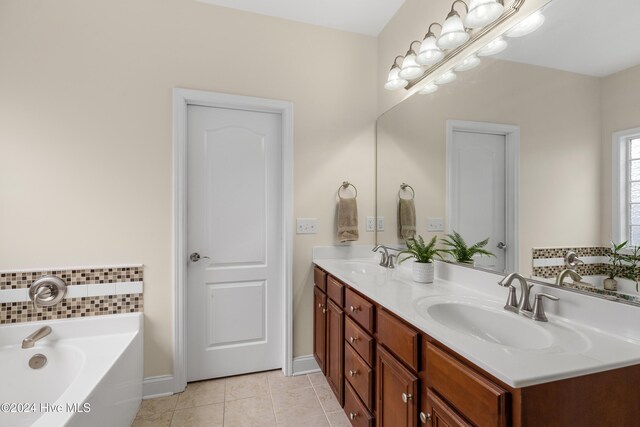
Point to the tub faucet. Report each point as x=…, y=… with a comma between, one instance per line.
x=567, y=272
x=524, y=305
x=30, y=341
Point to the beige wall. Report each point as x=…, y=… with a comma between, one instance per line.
x=620, y=111
x=86, y=122
x=559, y=118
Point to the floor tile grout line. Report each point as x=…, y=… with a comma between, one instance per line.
x=319, y=401
x=273, y=409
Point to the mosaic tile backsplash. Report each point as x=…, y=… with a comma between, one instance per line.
x=100, y=299
x=543, y=266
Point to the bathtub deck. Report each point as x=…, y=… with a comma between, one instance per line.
x=263, y=399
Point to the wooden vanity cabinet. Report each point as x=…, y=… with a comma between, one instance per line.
x=437, y=413
x=335, y=350
x=320, y=327
x=397, y=392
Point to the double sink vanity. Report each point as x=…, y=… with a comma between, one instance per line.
x=398, y=353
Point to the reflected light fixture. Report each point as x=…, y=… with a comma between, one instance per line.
x=469, y=62
x=483, y=12
x=527, y=26
x=453, y=32
x=447, y=77
x=430, y=53
x=410, y=68
x=494, y=47
x=394, y=81
x=430, y=88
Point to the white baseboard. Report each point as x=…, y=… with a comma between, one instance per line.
x=305, y=365
x=159, y=386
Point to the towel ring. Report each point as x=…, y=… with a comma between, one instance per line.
x=344, y=186
x=403, y=187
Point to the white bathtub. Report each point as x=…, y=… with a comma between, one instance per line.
x=95, y=361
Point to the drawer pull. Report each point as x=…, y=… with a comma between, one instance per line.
x=354, y=309
x=353, y=373
x=353, y=416
x=425, y=418
x=324, y=310
x=320, y=305
x=353, y=339
x=407, y=397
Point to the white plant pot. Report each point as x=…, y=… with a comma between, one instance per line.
x=423, y=272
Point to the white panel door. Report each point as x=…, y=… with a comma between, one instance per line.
x=234, y=210
x=478, y=193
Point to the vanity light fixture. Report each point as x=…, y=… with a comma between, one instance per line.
x=430, y=88
x=469, y=62
x=483, y=12
x=453, y=32
x=394, y=81
x=430, y=53
x=527, y=25
x=410, y=68
x=494, y=47
x=447, y=77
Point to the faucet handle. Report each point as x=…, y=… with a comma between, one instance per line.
x=538, y=308
x=390, y=259
x=512, y=301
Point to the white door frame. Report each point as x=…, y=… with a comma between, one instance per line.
x=512, y=178
x=181, y=99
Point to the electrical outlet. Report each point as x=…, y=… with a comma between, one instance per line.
x=307, y=226
x=371, y=223
x=380, y=223
x=435, y=224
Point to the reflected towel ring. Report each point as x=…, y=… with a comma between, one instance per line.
x=344, y=186
x=403, y=187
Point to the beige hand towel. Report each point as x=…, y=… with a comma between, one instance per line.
x=406, y=219
x=347, y=219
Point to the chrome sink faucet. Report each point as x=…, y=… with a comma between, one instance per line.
x=30, y=341
x=523, y=305
x=567, y=272
x=386, y=259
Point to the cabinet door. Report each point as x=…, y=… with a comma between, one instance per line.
x=335, y=350
x=319, y=327
x=436, y=412
x=397, y=390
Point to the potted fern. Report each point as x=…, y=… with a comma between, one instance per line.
x=462, y=253
x=423, y=254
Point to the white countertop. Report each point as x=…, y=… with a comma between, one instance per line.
x=573, y=347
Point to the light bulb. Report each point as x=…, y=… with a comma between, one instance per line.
x=430, y=88
x=447, y=77
x=494, y=47
x=410, y=68
x=527, y=26
x=394, y=81
x=469, y=62
x=453, y=33
x=429, y=53
x=482, y=13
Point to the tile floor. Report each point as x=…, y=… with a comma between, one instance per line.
x=254, y=400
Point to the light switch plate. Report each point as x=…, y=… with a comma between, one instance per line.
x=306, y=225
x=380, y=223
x=435, y=224
x=371, y=223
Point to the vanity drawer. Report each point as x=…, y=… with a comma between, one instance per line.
x=335, y=290
x=362, y=342
x=402, y=340
x=360, y=310
x=320, y=278
x=475, y=397
x=358, y=415
x=359, y=375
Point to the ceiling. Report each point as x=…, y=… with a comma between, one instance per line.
x=358, y=16
x=591, y=37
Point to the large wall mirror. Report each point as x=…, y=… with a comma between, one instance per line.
x=534, y=149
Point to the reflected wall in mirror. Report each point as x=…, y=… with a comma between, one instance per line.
x=563, y=94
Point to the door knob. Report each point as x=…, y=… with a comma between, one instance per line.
x=195, y=257
x=501, y=245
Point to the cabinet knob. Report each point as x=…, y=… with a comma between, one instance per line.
x=407, y=397
x=353, y=416
x=319, y=305
x=353, y=339
x=324, y=311
x=353, y=373
x=425, y=418
x=354, y=309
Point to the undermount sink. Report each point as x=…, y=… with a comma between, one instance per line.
x=363, y=267
x=491, y=326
